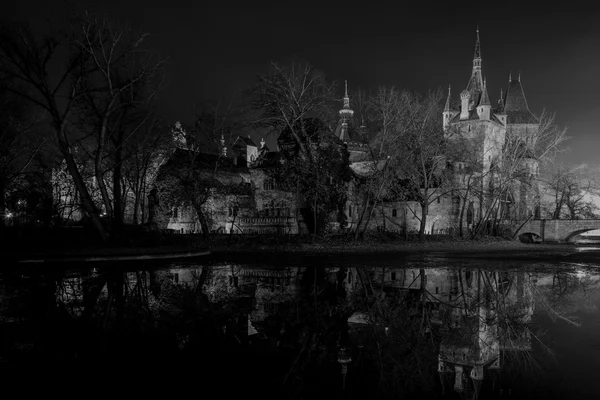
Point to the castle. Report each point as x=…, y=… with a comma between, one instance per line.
x=492, y=130
x=267, y=208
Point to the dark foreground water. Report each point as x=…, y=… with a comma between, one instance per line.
x=304, y=327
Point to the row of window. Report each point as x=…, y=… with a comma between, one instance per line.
x=270, y=184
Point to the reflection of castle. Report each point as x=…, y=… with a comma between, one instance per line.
x=482, y=314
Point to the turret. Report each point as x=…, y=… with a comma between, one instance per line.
x=449, y=111
x=223, y=147
x=484, y=108
x=465, y=96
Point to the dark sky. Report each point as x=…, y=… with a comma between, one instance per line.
x=217, y=48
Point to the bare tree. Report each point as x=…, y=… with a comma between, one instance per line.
x=516, y=170
x=102, y=70
x=572, y=189
x=288, y=95
x=424, y=154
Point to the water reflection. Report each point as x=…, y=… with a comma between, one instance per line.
x=309, y=332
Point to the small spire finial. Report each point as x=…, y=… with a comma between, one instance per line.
x=223, y=148
x=501, y=94
x=519, y=76
x=510, y=77
x=346, y=84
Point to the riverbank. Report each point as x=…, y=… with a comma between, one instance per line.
x=488, y=247
x=187, y=246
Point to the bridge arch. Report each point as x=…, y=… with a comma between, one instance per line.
x=557, y=230
x=573, y=234
x=529, y=237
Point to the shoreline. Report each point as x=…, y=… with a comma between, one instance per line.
x=459, y=247
x=485, y=248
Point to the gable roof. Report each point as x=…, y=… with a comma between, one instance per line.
x=245, y=140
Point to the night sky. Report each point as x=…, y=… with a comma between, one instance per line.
x=216, y=50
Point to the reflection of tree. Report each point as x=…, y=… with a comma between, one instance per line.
x=397, y=348
x=566, y=293
x=476, y=325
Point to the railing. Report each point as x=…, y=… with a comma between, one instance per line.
x=265, y=220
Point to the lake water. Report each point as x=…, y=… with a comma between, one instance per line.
x=359, y=326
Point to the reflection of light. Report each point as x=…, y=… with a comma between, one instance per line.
x=8, y=214
x=587, y=249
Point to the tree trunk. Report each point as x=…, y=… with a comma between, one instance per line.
x=86, y=199
x=462, y=210
x=102, y=186
x=362, y=215
x=405, y=223
x=203, y=222
x=423, y=223
x=118, y=208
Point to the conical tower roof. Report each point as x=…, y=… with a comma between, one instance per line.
x=448, y=106
x=516, y=107
x=485, y=99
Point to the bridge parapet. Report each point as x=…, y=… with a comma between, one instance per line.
x=558, y=230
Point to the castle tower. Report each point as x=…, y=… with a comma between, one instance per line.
x=485, y=107
x=346, y=114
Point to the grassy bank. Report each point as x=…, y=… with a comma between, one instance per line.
x=380, y=244
x=74, y=243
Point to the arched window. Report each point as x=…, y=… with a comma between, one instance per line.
x=175, y=212
x=394, y=213
x=349, y=211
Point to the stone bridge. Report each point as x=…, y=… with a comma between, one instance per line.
x=558, y=230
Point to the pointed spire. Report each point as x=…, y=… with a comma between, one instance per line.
x=485, y=99
x=510, y=77
x=448, y=105
x=501, y=102
x=477, y=54
x=346, y=112
x=519, y=76
x=262, y=143
x=475, y=85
